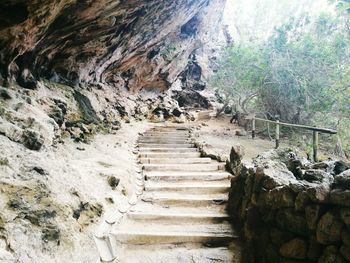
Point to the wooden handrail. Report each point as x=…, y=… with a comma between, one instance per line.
x=315, y=130
x=311, y=128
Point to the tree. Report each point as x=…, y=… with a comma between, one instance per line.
x=301, y=73
x=239, y=76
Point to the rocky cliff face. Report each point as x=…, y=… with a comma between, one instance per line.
x=135, y=44
x=77, y=79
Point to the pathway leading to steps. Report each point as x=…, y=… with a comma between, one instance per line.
x=181, y=216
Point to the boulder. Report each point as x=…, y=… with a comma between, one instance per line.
x=58, y=112
x=345, y=215
x=329, y=229
x=340, y=197
x=279, y=237
x=319, y=193
x=27, y=80
x=315, y=249
x=32, y=140
x=313, y=175
x=241, y=133
x=11, y=131
x=235, y=159
x=295, y=166
x=345, y=252
x=340, y=166
x=301, y=201
x=113, y=181
x=295, y=249
x=276, y=174
x=88, y=113
x=342, y=181
x=279, y=197
x=312, y=214
x=270, y=255
x=331, y=255
x=292, y=221
x=321, y=166
x=5, y=94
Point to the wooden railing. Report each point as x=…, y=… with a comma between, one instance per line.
x=315, y=131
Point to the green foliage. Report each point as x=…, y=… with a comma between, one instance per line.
x=241, y=73
x=343, y=6
x=301, y=73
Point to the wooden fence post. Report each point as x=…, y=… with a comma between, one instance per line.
x=315, y=145
x=253, y=128
x=277, y=133
x=315, y=130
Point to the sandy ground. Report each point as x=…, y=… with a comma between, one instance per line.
x=219, y=135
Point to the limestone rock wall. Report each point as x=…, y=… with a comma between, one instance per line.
x=289, y=210
x=131, y=44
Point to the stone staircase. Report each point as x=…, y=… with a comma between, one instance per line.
x=181, y=215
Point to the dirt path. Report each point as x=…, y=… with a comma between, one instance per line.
x=220, y=135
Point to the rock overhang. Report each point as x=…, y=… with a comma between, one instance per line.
x=136, y=44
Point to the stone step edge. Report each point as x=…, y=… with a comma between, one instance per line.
x=174, y=160
x=173, y=234
x=157, y=214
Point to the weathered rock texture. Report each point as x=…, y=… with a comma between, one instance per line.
x=285, y=216
x=74, y=77
x=65, y=160
x=132, y=44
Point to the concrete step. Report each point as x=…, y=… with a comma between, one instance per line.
x=181, y=199
x=164, y=141
x=171, y=150
x=179, y=216
x=189, y=187
x=179, y=129
x=164, y=138
x=152, y=145
x=183, y=206
x=187, y=176
x=184, y=167
x=154, y=207
x=169, y=155
x=215, y=234
x=178, y=253
x=171, y=128
x=182, y=160
x=166, y=133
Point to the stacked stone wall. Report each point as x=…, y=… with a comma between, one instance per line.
x=289, y=210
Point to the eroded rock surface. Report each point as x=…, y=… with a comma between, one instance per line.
x=73, y=75
x=134, y=44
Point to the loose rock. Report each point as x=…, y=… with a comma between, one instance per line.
x=113, y=181
x=32, y=140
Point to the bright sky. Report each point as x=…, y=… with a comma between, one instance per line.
x=257, y=18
